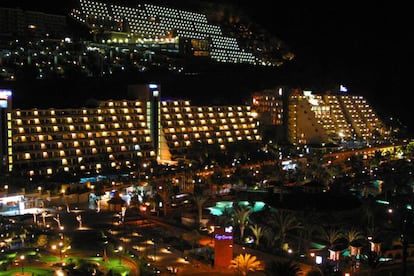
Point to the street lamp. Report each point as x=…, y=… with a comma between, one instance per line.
x=120, y=254
x=60, y=249
x=21, y=261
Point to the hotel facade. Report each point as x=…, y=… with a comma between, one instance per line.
x=116, y=135
x=306, y=118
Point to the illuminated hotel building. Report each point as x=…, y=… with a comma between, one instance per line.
x=173, y=30
x=6, y=145
x=16, y=22
x=51, y=141
x=317, y=119
x=269, y=106
x=119, y=135
x=184, y=125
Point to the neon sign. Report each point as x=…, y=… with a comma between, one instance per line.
x=222, y=237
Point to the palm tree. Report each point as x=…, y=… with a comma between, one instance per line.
x=283, y=222
x=284, y=268
x=226, y=218
x=310, y=222
x=243, y=264
x=352, y=235
x=330, y=235
x=165, y=193
x=241, y=216
x=258, y=232
x=85, y=267
x=199, y=201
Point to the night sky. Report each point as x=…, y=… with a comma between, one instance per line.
x=366, y=47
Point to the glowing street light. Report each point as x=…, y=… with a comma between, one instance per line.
x=120, y=254
x=21, y=261
x=60, y=249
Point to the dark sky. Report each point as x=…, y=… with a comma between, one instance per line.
x=365, y=47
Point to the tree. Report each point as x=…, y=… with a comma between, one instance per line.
x=243, y=264
x=330, y=235
x=352, y=235
x=199, y=201
x=226, y=218
x=85, y=267
x=241, y=216
x=310, y=222
x=284, y=268
x=283, y=222
x=165, y=193
x=258, y=232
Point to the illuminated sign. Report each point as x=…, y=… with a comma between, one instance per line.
x=223, y=246
x=318, y=260
x=3, y=103
x=223, y=237
x=4, y=95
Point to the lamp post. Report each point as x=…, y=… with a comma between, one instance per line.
x=21, y=262
x=60, y=249
x=120, y=254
